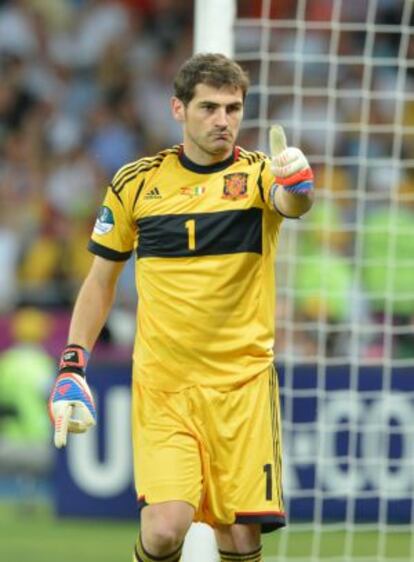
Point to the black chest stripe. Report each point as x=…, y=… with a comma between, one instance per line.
x=200, y=234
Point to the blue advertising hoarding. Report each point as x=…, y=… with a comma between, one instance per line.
x=349, y=443
x=348, y=446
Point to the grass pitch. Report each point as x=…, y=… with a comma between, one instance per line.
x=35, y=534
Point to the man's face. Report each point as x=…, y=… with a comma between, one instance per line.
x=211, y=121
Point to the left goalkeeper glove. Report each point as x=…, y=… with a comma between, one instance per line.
x=71, y=404
x=289, y=165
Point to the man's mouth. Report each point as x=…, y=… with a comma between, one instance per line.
x=221, y=136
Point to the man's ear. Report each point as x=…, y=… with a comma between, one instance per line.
x=178, y=109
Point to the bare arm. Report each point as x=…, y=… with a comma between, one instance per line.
x=94, y=302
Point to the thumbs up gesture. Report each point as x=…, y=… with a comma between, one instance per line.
x=289, y=165
x=292, y=173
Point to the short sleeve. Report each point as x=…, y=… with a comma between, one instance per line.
x=114, y=232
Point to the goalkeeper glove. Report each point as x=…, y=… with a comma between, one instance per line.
x=289, y=165
x=71, y=405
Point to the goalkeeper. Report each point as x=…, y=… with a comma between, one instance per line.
x=202, y=220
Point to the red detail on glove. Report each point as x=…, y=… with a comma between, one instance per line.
x=302, y=175
x=63, y=389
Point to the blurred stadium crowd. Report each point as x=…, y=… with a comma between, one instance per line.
x=84, y=88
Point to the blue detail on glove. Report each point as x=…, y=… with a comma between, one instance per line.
x=69, y=389
x=299, y=188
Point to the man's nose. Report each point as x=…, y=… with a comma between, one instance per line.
x=221, y=117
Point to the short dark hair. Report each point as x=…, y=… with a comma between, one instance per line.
x=213, y=69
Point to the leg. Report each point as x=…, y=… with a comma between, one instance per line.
x=163, y=527
x=239, y=543
x=168, y=474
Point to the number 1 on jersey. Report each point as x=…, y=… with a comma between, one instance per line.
x=190, y=227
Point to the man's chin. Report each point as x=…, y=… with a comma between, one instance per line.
x=221, y=146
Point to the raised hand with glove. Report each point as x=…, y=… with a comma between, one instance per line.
x=71, y=404
x=292, y=192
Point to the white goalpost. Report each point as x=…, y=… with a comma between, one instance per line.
x=214, y=26
x=339, y=76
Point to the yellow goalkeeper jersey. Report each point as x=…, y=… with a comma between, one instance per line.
x=204, y=239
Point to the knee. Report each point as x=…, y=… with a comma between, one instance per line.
x=163, y=527
x=162, y=539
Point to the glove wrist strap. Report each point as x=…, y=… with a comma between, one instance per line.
x=74, y=359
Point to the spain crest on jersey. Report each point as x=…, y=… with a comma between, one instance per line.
x=235, y=186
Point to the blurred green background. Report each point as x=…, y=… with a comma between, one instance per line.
x=33, y=533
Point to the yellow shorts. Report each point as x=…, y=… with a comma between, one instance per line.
x=217, y=450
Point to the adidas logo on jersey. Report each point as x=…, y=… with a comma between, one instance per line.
x=153, y=194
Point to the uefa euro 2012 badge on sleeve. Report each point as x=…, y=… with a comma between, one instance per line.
x=105, y=221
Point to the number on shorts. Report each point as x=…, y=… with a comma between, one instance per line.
x=267, y=469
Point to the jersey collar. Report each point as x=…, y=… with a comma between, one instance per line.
x=199, y=169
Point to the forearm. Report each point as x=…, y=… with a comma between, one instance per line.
x=292, y=204
x=89, y=314
x=92, y=306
